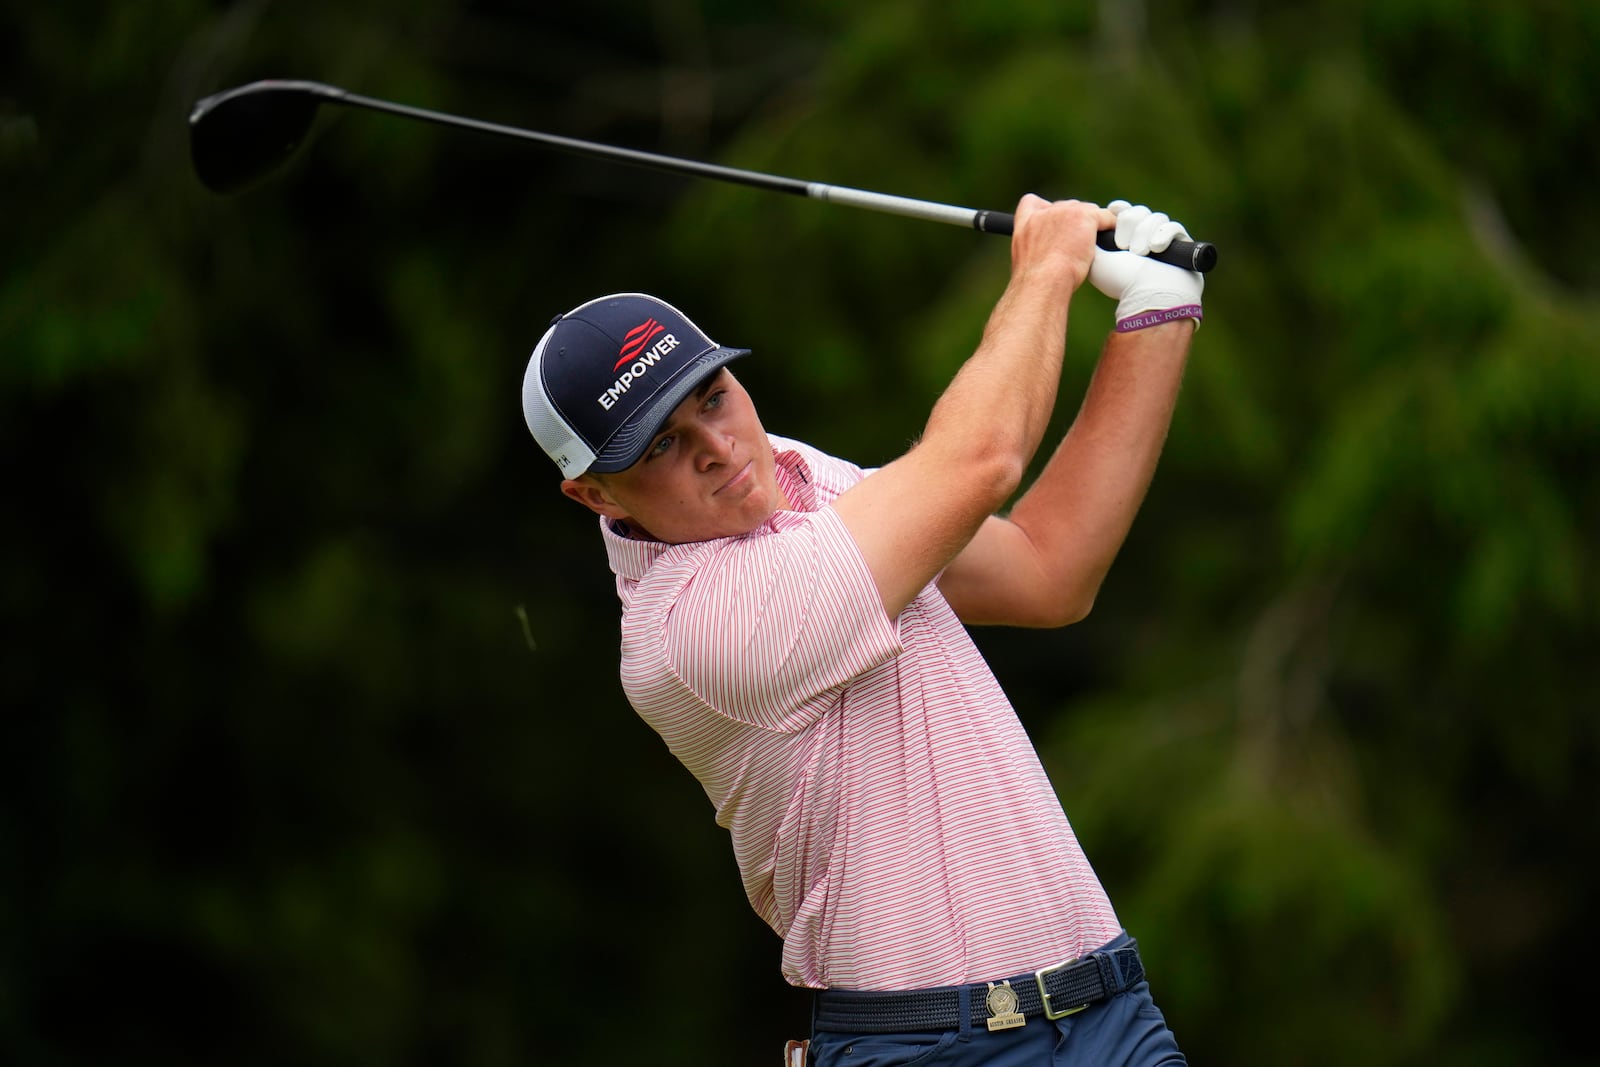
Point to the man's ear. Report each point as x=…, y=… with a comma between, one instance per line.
x=592, y=495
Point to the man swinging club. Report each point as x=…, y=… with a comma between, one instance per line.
x=792, y=627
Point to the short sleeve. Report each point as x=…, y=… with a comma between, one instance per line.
x=770, y=628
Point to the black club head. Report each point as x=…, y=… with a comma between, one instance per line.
x=243, y=134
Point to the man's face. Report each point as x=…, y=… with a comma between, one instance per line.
x=707, y=473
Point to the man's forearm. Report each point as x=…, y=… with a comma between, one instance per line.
x=1002, y=397
x=1078, y=513
x=1000, y=401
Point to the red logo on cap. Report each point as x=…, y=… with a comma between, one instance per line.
x=637, y=338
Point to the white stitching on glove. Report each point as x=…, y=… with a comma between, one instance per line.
x=1147, y=291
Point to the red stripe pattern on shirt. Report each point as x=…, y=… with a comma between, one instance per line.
x=889, y=815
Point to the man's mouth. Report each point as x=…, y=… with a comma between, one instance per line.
x=739, y=478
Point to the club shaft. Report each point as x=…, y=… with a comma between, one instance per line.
x=1191, y=255
x=593, y=149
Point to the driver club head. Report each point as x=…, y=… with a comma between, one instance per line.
x=243, y=134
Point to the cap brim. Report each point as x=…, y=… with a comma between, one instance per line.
x=628, y=444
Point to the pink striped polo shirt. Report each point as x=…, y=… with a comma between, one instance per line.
x=889, y=815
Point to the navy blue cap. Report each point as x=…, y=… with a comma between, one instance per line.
x=607, y=374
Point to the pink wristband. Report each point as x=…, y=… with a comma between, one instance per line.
x=1156, y=318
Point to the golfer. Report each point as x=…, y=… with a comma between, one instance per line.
x=792, y=627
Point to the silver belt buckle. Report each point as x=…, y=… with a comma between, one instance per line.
x=1044, y=997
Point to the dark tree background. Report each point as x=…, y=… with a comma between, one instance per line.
x=314, y=750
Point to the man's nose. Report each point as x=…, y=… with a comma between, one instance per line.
x=711, y=447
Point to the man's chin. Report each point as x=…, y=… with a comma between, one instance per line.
x=735, y=526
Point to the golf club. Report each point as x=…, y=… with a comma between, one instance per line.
x=239, y=135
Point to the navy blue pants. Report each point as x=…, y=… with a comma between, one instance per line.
x=1126, y=1031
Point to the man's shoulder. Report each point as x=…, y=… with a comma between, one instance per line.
x=823, y=468
x=782, y=443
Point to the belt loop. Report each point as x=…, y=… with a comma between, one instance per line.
x=1110, y=972
x=964, y=1007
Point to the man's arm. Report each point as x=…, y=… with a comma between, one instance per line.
x=911, y=518
x=1043, y=565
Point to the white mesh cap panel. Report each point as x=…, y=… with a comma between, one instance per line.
x=553, y=433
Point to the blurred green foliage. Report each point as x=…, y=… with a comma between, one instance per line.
x=314, y=751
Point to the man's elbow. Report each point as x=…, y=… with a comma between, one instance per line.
x=1078, y=611
x=1070, y=611
x=981, y=475
x=1052, y=612
x=995, y=475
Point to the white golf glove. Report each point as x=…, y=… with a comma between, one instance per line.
x=1148, y=292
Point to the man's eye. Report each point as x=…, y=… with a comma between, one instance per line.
x=715, y=399
x=661, y=446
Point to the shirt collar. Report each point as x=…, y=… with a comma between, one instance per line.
x=630, y=557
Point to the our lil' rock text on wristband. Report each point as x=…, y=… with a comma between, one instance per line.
x=1147, y=319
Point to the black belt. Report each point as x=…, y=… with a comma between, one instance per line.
x=1053, y=992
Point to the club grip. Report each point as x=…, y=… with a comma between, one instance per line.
x=1190, y=255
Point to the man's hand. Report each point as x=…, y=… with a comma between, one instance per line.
x=1148, y=292
x=1058, y=234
